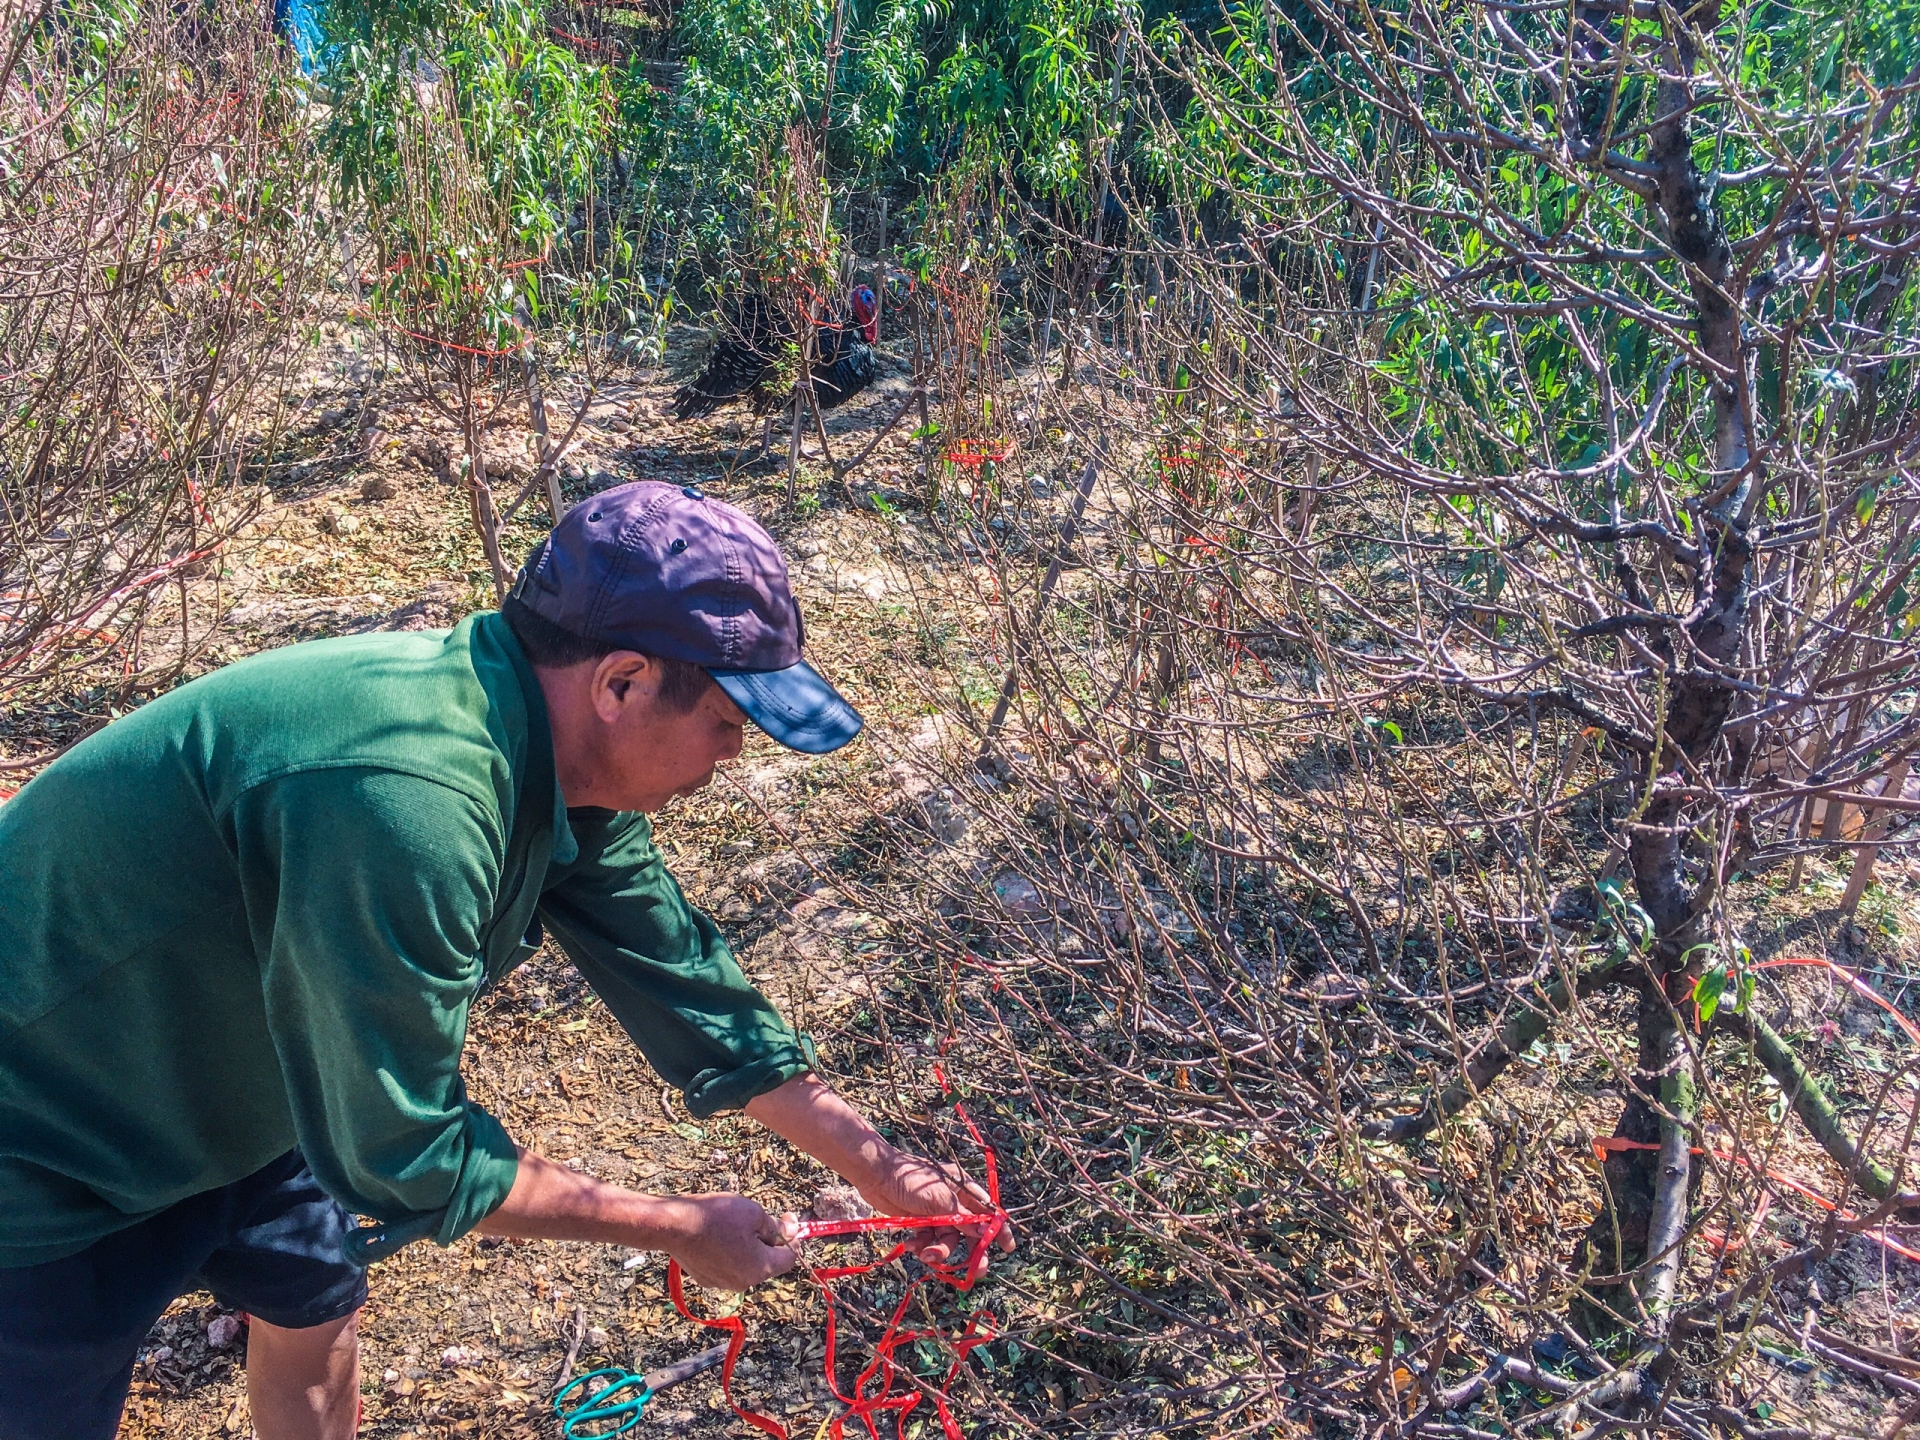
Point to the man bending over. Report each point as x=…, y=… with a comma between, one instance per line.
x=241, y=930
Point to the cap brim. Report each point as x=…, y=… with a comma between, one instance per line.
x=796, y=706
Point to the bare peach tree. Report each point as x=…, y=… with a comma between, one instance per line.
x=1498, y=581
x=159, y=232
x=1646, y=480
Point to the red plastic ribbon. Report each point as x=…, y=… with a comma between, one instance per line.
x=484, y=354
x=825, y=1229
x=873, y=1392
x=1615, y=1144
x=1864, y=989
x=736, y=1329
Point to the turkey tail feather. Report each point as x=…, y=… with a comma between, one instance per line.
x=733, y=371
x=741, y=360
x=690, y=402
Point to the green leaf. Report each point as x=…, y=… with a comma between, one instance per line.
x=1642, y=924
x=1707, y=991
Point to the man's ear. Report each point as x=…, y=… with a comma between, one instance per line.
x=616, y=679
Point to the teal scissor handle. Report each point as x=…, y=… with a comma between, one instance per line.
x=601, y=1407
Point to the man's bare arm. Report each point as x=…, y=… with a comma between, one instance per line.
x=727, y=1241
x=806, y=1112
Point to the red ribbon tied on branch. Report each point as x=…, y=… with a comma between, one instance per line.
x=873, y=1392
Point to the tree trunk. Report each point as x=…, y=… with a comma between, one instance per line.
x=1616, y=1242
x=1648, y=1177
x=486, y=515
x=549, y=462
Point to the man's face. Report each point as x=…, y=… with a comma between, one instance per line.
x=650, y=752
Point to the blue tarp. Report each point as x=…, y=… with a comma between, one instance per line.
x=299, y=21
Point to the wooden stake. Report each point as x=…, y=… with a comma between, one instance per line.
x=920, y=393
x=820, y=429
x=1872, y=832
x=1011, y=685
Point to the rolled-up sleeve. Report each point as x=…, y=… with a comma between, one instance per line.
x=367, y=893
x=663, y=969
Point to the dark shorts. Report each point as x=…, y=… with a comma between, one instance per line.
x=69, y=1329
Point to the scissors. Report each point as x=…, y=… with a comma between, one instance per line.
x=620, y=1400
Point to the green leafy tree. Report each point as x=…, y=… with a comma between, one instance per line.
x=473, y=140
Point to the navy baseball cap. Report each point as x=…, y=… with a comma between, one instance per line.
x=667, y=570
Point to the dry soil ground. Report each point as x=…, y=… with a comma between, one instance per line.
x=358, y=532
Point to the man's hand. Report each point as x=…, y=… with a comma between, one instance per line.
x=727, y=1242
x=807, y=1113
x=903, y=1184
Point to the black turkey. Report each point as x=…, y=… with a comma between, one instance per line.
x=744, y=355
x=843, y=360
x=748, y=352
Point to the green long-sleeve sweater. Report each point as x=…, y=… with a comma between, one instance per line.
x=253, y=914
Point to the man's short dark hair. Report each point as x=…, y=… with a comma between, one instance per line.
x=682, y=683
